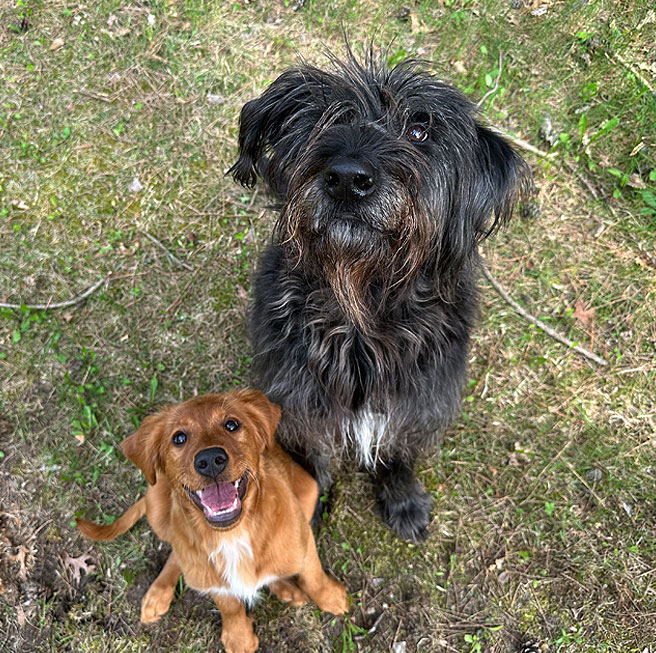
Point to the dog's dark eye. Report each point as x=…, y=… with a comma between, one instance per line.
x=179, y=438
x=417, y=134
x=231, y=425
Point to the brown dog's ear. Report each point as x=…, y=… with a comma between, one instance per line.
x=265, y=414
x=142, y=447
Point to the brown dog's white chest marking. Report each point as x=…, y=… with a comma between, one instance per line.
x=233, y=559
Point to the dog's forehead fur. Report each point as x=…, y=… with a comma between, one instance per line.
x=208, y=411
x=373, y=93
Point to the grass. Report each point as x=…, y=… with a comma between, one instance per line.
x=117, y=122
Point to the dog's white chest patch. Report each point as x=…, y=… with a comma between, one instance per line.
x=236, y=553
x=365, y=430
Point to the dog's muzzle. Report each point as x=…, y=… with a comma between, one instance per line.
x=221, y=502
x=349, y=180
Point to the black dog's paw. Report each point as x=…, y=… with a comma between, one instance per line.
x=408, y=515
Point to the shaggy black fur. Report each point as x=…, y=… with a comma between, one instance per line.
x=366, y=298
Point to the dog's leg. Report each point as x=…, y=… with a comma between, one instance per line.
x=237, y=631
x=289, y=592
x=326, y=592
x=404, y=504
x=157, y=599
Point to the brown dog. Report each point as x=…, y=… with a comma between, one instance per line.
x=235, y=508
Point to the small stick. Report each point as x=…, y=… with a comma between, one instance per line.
x=631, y=68
x=525, y=145
x=175, y=259
x=495, y=88
x=539, y=323
x=93, y=96
x=70, y=302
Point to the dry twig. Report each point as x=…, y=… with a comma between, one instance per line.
x=539, y=323
x=70, y=302
x=496, y=82
x=174, y=258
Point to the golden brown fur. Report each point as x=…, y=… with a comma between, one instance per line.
x=270, y=542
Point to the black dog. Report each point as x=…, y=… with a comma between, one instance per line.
x=365, y=301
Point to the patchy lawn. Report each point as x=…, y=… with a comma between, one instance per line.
x=117, y=122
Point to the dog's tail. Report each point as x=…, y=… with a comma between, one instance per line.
x=126, y=521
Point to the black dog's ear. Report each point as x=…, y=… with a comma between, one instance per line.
x=506, y=180
x=493, y=180
x=264, y=122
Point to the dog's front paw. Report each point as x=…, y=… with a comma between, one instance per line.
x=334, y=599
x=408, y=514
x=240, y=642
x=155, y=603
x=289, y=592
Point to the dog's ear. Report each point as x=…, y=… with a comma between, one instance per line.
x=268, y=119
x=506, y=181
x=143, y=446
x=265, y=416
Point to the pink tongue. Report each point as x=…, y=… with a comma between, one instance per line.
x=218, y=496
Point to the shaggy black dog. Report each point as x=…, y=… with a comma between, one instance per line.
x=365, y=300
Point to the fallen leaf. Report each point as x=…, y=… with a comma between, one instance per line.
x=584, y=315
x=20, y=559
x=20, y=615
x=56, y=44
x=635, y=181
x=78, y=565
x=242, y=294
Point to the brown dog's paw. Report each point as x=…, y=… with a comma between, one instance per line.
x=155, y=603
x=334, y=599
x=289, y=592
x=242, y=643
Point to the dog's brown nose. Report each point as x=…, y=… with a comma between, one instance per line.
x=211, y=462
x=348, y=179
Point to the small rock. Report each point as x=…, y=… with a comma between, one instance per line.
x=135, y=186
x=377, y=582
x=215, y=99
x=398, y=647
x=593, y=475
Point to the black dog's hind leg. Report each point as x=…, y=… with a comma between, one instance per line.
x=403, y=503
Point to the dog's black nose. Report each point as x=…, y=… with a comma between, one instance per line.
x=211, y=462
x=349, y=179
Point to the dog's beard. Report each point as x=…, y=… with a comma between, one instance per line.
x=364, y=258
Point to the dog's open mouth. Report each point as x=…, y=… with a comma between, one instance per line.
x=221, y=502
